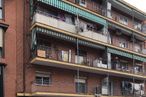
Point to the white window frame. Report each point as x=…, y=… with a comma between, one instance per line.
x=43, y=75
x=81, y=3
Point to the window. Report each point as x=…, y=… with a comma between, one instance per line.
x=43, y=78
x=1, y=9
x=123, y=20
x=1, y=42
x=80, y=85
x=83, y=3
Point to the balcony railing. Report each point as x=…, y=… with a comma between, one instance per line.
x=47, y=19
x=95, y=35
x=118, y=91
x=67, y=56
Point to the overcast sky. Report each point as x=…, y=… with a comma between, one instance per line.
x=140, y=4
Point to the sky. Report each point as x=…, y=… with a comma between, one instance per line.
x=140, y=4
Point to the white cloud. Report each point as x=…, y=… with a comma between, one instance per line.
x=140, y=4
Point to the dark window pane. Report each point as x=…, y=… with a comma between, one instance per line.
x=1, y=53
x=46, y=80
x=80, y=87
x=38, y=80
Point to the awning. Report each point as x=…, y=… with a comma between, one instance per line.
x=125, y=54
x=74, y=10
x=65, y=37
x=121, y=53
x=114, y=26
x=139, y=58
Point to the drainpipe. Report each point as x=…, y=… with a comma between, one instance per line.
x=77, y=48
x=24, y=87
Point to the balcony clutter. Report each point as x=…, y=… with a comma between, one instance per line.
x=69, y=23
x=82, y=59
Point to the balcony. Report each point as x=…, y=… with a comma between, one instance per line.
x=95, y=35
x=53, y=21
x=45, y=18
x=127, y=89
x=44, y=55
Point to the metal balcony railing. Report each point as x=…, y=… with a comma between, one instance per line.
x=67, y=56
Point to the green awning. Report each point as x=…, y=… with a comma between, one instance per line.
x=139, y=58
x=126, y=54
x=74, y=10
x=123, y=30
x=66, y=37
x=121, y=53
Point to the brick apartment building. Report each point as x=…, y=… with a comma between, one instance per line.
x=72, y=48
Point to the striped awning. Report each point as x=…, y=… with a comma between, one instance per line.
x=65, y=37
x=74, y=10
x=125, y=54
x=121, y=53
